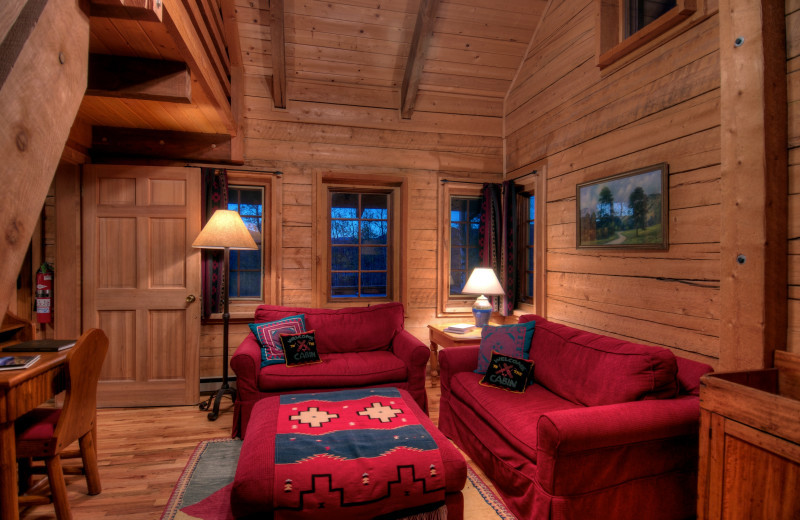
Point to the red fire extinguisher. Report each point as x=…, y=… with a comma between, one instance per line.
x=44, y=294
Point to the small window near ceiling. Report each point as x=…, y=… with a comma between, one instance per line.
x=526, y=261
x=246, y=266
x=465, y=218
x=359, y=245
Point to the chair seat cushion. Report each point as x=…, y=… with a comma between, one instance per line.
x=38, y=424
x=335, y=371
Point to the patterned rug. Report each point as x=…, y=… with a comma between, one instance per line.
x=203, y=491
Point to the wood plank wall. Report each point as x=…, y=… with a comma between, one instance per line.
x=583, y=124
x=793, y=91
x=346, y=120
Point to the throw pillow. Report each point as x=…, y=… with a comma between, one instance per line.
x=268, y=336
x=508, y=373
x=300, y=348
x=511, y=340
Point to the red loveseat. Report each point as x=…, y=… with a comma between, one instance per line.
x=609, y=429
x=359, y=347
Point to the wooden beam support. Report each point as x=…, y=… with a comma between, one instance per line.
x=139, y=78
x=423, y=30
x=231, y=29
x=754, y=182
x=109, y=142
x=141, y=10
x=39, y=98
x=276, y=31
x=179, y=26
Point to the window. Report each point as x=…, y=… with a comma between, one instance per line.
x=358, y=239
x=626, y=25
x=465, y=219
x=359, y=245
x=246, y=266
x=526, y=261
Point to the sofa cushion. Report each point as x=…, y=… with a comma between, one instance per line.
x=592, y=370
x=511, y=340
x=335, y=371
x=268, y=336
x=300, y=348
x=505, y=417
x=508, y=373
x=353, y=329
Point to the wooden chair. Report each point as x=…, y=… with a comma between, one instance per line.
x=45, y=433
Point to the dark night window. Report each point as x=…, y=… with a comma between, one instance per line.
x=246, y=266
x=465, y=218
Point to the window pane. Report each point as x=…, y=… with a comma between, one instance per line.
x=245, y=265
x=375, y=206
x=344, y=258
x=475, y=211
x=532, y=207
x=373, y=232
x=458, y=258
x=474, y=258
x=344, y=232
x=344, y=285
x=344, y=205
x=249, y=284
x=458, y=235
x=373, y=284
x=373, y=258
x=457, y=281
x=458, y=209
x=529, y=262
x=529, y=285
x=474, y=233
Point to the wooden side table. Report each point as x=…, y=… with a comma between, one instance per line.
x=440, y=338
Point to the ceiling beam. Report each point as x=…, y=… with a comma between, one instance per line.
x=276, y=30
x=140, y=10
x=112, y=142
x=423, y=30
x=139, y=78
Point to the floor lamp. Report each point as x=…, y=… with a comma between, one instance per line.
x=225, y=230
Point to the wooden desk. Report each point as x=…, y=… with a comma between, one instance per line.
x=20, y=392
x=440, y=338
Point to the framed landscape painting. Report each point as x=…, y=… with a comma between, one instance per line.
x=628, y=210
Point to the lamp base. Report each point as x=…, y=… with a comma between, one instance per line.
x=482, y=311
x=214, y=413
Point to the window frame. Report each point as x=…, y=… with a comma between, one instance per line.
x=396, y=188
x=447, y=305
x=611, y=43
x=270, y=230
x=521, y=260
x=534, y=184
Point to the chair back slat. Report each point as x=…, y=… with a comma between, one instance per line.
x=83, y=365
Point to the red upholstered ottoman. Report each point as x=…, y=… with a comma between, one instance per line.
x=361, y=453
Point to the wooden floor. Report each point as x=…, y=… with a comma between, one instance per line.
x=142, y=452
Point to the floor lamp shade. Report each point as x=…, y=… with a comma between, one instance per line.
x=224, y=230
x=482, y=281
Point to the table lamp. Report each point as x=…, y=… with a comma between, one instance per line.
x=224, y=230
x=482, y=281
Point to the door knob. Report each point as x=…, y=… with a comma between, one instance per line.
x=190, y=298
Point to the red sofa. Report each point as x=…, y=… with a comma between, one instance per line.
x=609, y=429
x=359, y=347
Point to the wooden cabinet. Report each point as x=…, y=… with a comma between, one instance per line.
x=14, y=329
x=750, y=443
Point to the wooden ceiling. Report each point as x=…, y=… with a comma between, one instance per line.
x=378, y=53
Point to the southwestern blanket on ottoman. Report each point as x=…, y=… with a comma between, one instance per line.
x=361, y=453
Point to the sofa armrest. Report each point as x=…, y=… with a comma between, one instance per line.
x=585, y=449
x=246, y=364
x=410, y=349
x=455, y=360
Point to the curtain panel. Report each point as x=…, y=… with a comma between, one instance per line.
x=497, y=240
x=215, y=196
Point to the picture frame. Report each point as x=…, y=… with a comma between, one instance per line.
x=625, y=211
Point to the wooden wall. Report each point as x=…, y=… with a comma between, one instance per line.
x=578, y=124
x=793, y=90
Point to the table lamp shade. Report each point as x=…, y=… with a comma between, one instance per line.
x=482, y=281
x=224, y=229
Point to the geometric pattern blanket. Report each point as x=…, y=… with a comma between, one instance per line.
x=354, y=454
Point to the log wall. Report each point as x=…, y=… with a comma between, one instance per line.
x=578, y=124
x=793, y=94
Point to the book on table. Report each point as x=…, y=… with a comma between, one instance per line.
x=17, y=362
x=460, y=328
x=41, y=345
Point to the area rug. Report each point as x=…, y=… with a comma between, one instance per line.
x=203, y=490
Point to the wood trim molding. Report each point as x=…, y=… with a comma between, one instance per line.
x=140, y=10
x=753, y=118
x=276, y=30
x=423, y=30
x=231, y=28
x=113, y=143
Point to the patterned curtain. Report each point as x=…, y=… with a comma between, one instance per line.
x=508, y=259
x=489, y=232
x=215, y=196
